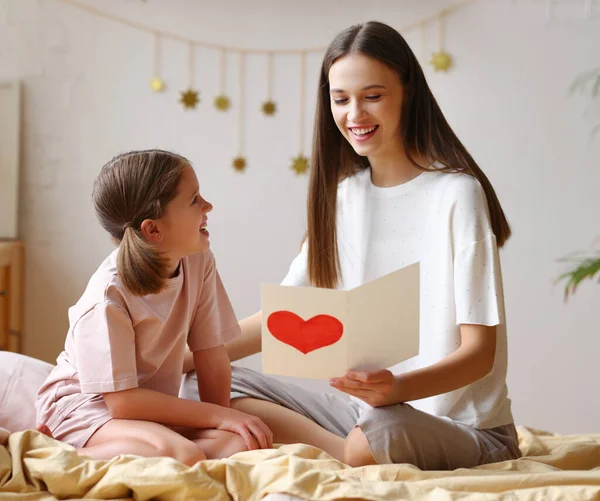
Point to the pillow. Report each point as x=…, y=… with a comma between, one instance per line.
x=20, y=379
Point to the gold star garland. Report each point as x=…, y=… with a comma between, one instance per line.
x=222, y=102
x=441, y=60
x=269, y=107
x=156, y=82
x=300, y=163
x=189, y=98
x=239, y=162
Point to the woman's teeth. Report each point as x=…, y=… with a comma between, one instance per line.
x=362, y=132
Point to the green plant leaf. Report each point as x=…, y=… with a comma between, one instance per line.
x=581, y=81
x=585, y=268
x=596, y=87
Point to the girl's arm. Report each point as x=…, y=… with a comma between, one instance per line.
x=150, y=405
x=472, y=361
x=243, y=346
x=214, y=375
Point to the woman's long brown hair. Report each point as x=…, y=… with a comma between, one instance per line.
x=424, y=131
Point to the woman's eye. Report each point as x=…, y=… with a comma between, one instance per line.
x=374, y=98
x=340, y=101
x=195, y=200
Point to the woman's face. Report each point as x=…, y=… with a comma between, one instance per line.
x=366, y=103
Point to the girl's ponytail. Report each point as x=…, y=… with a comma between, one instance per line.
x=139, y=265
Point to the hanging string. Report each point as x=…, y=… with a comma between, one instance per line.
x=157, y=54
x=269, y=107
x=239, y=162
x=441, y=31
x=240, y=99
x=208, y=45
x=189, y=98
x=222, y=102
x=269, y=76
x=441, y=60
x=302, y=99
x=222, y=71
x=191, y=65
x=300, y=163
x=156, y=83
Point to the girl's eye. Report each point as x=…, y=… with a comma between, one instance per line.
x=195, y=200
x=340, y=101
x=373, y=98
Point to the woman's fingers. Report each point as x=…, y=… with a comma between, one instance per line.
x=359, y=385
x=370, y=377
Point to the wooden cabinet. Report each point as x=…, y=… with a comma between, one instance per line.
x=11, y=295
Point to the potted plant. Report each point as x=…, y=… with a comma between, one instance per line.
x=584, y=265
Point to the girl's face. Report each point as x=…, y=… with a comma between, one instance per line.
x=366, y=103
x=182, y=228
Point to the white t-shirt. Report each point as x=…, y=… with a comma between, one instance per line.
x=442, y=221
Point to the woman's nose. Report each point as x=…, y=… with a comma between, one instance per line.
x=355, y=112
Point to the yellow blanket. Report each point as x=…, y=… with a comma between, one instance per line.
x=553, y=467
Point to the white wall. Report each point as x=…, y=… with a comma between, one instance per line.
x=87, y=98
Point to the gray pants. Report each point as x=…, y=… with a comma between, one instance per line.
x=396, y=433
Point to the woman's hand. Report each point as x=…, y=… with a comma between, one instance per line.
x=377, y=388
x=255, y=433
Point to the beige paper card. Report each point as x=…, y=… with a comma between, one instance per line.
x=322, y=333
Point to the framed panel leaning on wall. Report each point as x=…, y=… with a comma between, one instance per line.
x=10, y=128
x=11, y=295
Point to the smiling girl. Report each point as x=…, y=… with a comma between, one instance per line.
x=115, y=386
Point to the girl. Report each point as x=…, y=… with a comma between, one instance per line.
x=392, y=185
x=115, y=387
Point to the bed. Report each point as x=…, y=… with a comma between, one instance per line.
x=36, y=467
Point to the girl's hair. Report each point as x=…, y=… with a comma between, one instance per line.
x=423, y=128
x=133, y=187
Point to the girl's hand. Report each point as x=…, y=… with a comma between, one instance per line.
x=376, y=388
x=255, y=433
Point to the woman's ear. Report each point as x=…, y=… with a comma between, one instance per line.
x=150, y=231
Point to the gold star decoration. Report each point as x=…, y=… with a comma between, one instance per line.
x=222, y=103
x=269, y=108
x=157, y=84
x=441, y=61
x=189, y=98
x=300, y=164
x=239, y=164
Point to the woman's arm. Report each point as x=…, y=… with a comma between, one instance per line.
x=249, y=342
x=472, y=361
x=214, y=375
x=150, y=405
x=243, y=346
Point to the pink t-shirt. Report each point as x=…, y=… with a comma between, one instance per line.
x=117, y=341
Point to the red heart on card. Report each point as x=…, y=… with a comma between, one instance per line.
x=305, y=335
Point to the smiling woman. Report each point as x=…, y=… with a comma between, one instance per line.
x=392, y=185
x=367, y=113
